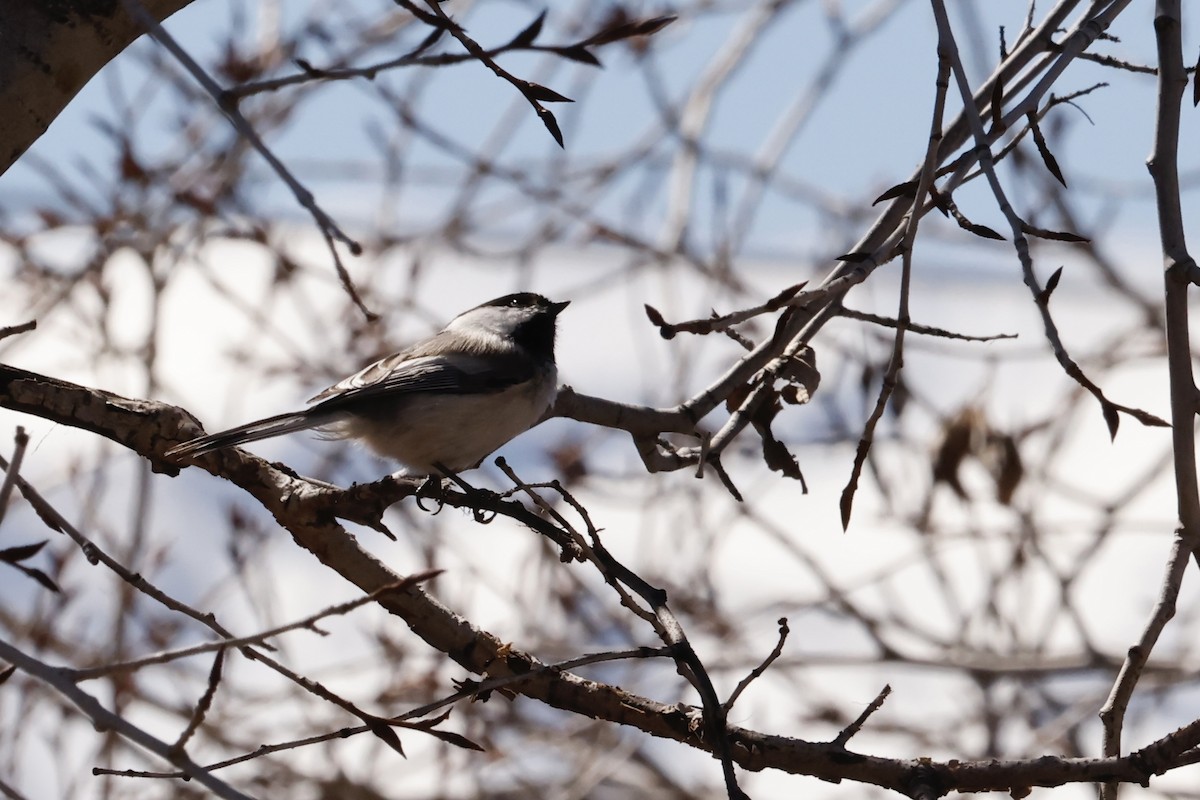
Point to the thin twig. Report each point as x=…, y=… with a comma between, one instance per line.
x=854, y=727
x=532, y=92
x=470, y=689
x=96, y=555
x=202, y=707
x=761, y=668
x=1164, y=171
x=309, y=622
x=1080, y=37
x=924, y=330
x=11, y=472
x=329, y=229
x=13, y=330
x=9, y=792
x=669, y=629
x=105, y=719
x=908, y=242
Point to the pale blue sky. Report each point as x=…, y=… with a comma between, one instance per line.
x=866, y=132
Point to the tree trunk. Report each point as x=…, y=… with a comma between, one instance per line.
x=48, y=50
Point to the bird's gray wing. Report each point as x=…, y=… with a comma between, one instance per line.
x=407, y=373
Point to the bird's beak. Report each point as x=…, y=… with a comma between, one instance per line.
x=556, y=308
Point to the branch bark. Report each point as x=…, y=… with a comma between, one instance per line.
x=1163, y=165
x=48, y=51
x=306, y=511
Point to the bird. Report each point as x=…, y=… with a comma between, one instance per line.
x=443, y=404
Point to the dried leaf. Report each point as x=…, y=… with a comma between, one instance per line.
x=538, y=92
x=570, y=462
x=787, y=294
x=1146, y=418
x=803, y=377
x=39, y=576
x=900, y=396
x=738, y=395
x=983, y=230
x=132, y=169
x=7, y=673
x=866, y=376
x=942, y=201
x=997, y=103
x=1044, y=149
x=654, y=25
x=794, y=395
x=551, y=124
x=1111, y=418
x=1043, y=296
x=956, y=444
x=656, y=319
x=775, y=454
x=384, y=731
x=21, y=552
x=626, y=30
x=1057, y=236
x=429, y=41
x=458, y=740
x=846, y=503
x=1005, y=465
x=906, y=189
x=578, y=53
x=780, y=459
x=464, y=685
x=527, y=37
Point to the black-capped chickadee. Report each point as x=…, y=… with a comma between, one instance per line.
x=446, y=402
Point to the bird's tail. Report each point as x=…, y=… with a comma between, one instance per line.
x=250, y=432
